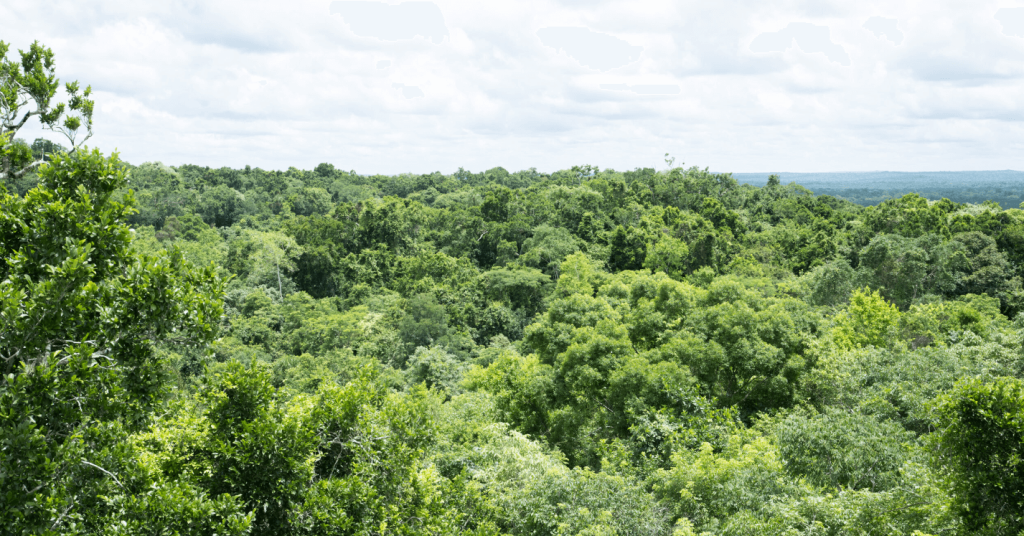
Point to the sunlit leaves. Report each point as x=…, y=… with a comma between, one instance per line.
x=80, y=313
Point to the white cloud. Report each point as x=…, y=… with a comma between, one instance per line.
x=592, y=49
x=968, y=49
x=809, y=37
x=409, y=92
x=393, y=22
x=794, y=85
x=885, y=28
x=1012, y=20
x=644, y=89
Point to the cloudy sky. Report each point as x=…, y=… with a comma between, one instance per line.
x=388, y=87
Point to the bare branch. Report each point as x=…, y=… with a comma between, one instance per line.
x=23, y=171
x=108, y=473
x=15, y=127
x=56, y=523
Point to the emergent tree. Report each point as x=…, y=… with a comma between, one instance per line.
x=27, y=89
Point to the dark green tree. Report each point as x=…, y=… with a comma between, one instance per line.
x=79, y=313
x=627, y=249
x=222, y=206
x=979, y=444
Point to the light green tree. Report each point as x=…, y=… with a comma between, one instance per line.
x=264, y=258
x=869, y=320
x=669, y=255
x=27, y=89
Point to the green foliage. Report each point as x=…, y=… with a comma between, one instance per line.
x=582, y=502
x=899, y=384
x=306, y=373
x=631, y=358
x=27, y=89
x=222, y=206
x=627, y=249
x=187, y=227
x=174, y=508
x=369, y=473
x=831, y=283
x=534, y=493
x=946, y=322
x=587, y=352
x=263, y=258
x=384, y=223
x=839, y=449
x=317, y=326
x=547, y=248
x=909, y=269
x=745, y=489
x=869, y=320
x=310, y=201
x=668, y=255
x=708, y=487
x=979, y=442
x=255, y=450
x=521, y=386
x=424, y=323
x=436, y=369
x=78, y=313
x=910, y=216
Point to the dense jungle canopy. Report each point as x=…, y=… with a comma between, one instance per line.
x=188, y=350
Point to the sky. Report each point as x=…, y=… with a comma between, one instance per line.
x=394, y=87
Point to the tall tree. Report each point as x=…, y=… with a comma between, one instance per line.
x=79, y=311
x=28, y=89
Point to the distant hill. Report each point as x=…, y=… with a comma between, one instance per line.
x=872, y=187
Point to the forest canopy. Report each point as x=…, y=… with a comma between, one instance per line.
x=189, y=350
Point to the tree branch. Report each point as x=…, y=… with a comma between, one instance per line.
x=23, y=171
x=16, y=127
x=108, y=473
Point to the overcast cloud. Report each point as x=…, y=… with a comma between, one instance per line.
x=387, y=87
